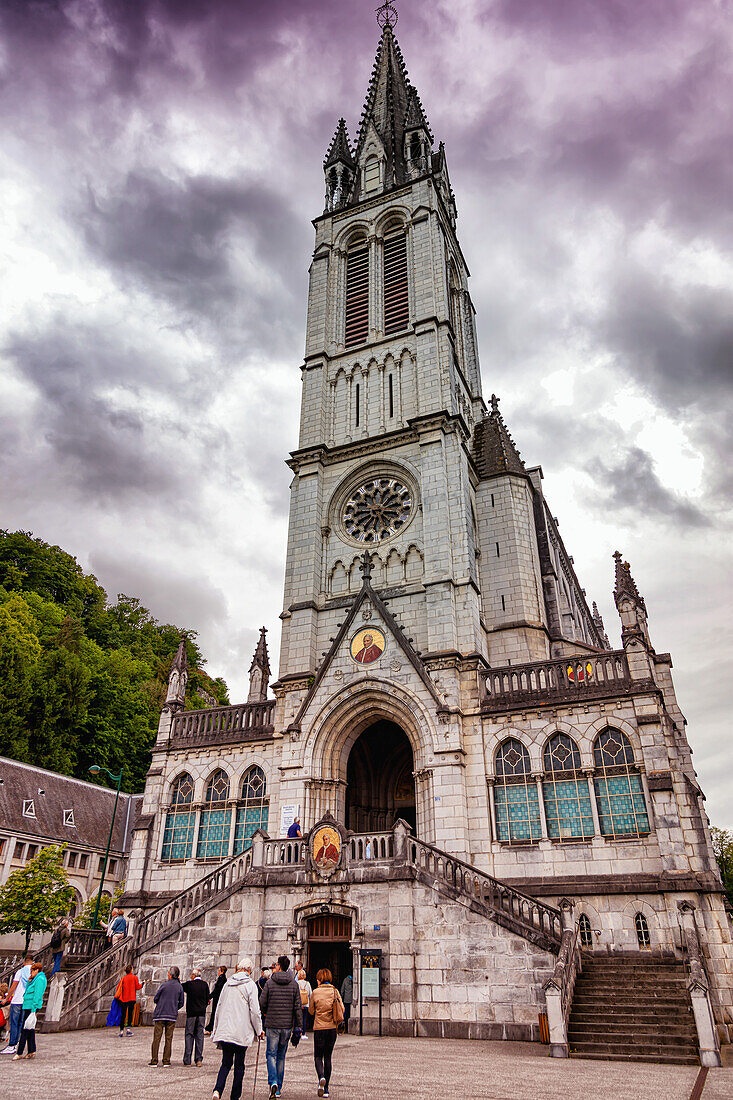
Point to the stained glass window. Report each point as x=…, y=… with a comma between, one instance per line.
x=565, y=791
x=180, y=822
x=515, y=795
x=619, y=791
x=216, y=820
x=253, y=810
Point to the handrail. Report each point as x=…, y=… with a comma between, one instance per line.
x=79, y=945
x=530, y=913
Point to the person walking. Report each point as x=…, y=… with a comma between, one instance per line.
x=32, y=1003
x=327, y=1010
x=59, y=943
x=237, y=1024
x=221, y=981
x=107, y=926
x=265, y=973
x=280, y=1004
x=118, y=928
x=168, y=1003
x=347, y=996
x=16, y=992
x=197, y=998
x=294, y=830
x=126, y=994
x=306, y=990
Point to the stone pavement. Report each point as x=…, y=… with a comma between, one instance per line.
x=97, y=1065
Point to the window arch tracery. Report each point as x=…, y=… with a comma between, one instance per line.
x=585, y=931
x=216, y=819
x=180, y=821
x=565, y=791
x=619, y=791
x=253, y=809
x=515, y=795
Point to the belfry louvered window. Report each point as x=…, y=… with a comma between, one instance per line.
x=619, y=790
x=253, y=810
x=396, y=304
x=216, y=820
x=357, y=294
x=515, y=795
x=180, y=822
x=565, y=791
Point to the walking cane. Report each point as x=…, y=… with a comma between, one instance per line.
x=257, y=1060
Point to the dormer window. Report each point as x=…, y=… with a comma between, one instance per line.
x=371, y=175
x=29, y=809
x=69, y=819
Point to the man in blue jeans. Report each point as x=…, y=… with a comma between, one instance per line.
x=15, y=997
x=280, y=1004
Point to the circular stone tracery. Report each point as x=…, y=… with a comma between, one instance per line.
x=376, y=510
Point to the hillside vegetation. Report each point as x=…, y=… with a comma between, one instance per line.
x=82, y=681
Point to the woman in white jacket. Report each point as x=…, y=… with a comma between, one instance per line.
x=237, y=1024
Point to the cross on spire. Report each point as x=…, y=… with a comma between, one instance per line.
x=387, y=14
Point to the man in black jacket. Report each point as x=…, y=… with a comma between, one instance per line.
x=280, y=1002
x=221, y=981
x=197, y=998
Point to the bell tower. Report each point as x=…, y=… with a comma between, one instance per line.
x=391, y=388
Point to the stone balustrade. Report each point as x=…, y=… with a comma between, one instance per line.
x=222, y=725
x=561, y=680
x=560, y=987
x=371, y=846
x=282, y=854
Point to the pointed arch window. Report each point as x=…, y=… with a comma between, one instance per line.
x=642, y=930
x=216, y=819
x=515, y=795
x=371, y=175
x=585, y=931
x=253, y=810
x=180, y=822
x=619, y=792
x=565, y=791
x=396, y=299
x=357, y=294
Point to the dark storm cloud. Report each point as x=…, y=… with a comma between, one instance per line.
x=632, y=485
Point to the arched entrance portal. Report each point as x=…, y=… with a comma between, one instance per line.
x=379, y=780
x=328, y=947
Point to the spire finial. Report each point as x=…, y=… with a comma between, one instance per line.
x=494, y=403
x=387, y=14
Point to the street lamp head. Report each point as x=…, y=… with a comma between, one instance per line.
x=95, y=769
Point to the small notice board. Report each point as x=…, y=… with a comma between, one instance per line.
x=370, y=981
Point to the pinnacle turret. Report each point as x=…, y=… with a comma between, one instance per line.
x=598, y=622
x=259, y=670
x=625, y=583
x=339, y=151
x=178, y=677
x=494, y=450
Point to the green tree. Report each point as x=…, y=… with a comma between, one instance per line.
x=35, y=896
x=20, y=652
x=723, y=849
x=85, y=919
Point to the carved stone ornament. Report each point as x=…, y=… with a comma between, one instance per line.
x=326, y=847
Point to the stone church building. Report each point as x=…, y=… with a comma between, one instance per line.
x=494, y=802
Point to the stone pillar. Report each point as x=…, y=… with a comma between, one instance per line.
x=697, y=986
x=55, y=1001
x=537, y=776
x=258, y=849
x=589, y=773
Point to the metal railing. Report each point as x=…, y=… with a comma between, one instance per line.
x=562, y=678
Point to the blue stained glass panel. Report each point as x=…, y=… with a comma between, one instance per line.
x=567, y=808
x=178, y=836
x=214, y=834
x=249, y=819
x=621, y=806
x=517, y=812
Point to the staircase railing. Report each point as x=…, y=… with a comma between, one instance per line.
x=559, y=989
x=698, y=988
x=534, y=919
x=190, y=904
x=82, y=945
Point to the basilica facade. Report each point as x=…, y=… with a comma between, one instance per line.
x=490, y=772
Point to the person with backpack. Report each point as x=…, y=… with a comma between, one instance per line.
x=237, y=1024
x=280, y=1003
x=327, y=1010
x=306, y=990
x=126, y=994
x=59, y=942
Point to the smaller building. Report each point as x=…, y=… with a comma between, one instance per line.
x=40, y=807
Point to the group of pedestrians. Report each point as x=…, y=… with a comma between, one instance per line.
x=24, y=998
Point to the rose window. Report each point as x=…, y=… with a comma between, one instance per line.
x=377, y=509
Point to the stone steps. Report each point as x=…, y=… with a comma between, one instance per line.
x=632, y=1010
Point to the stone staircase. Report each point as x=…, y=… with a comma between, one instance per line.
x=633, y=1008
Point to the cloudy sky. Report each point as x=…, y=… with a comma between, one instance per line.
x=161, y=162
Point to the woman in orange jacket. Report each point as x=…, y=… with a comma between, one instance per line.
x=126, y=993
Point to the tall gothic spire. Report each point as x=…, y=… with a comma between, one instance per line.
x=598, y=621
x=625, y=583
x=259, y=670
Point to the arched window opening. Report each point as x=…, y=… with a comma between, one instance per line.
x=371, y=175
x=396, y=300
x=357, y=294
x=180, y=822
x=357, y=405
x=515, y=795
x=390, y=388
x=585, y=931
x=642, y=930
x=415, y=150
x=253, y=809
x=619, y=791
x=216, y=819
x=565, y=791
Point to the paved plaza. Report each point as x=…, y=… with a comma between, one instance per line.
x=97, y=1065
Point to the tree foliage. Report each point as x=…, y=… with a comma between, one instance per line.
x=82, y=681
x=36, y=895
x=85, y=919
x=723, y=849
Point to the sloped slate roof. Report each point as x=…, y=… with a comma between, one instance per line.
x=91, y=804
x=494, y=450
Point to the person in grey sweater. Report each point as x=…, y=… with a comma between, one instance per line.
x=168, y=1003
x=280, y=1004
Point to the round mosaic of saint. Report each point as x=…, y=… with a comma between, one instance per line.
x=376, y=510
x=367, y=645
x=326, y=847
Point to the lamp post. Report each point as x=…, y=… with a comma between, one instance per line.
x=95, y=770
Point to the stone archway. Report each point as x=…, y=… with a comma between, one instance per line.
x=380, y=785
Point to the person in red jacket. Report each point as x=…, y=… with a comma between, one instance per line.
x=126, y=993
